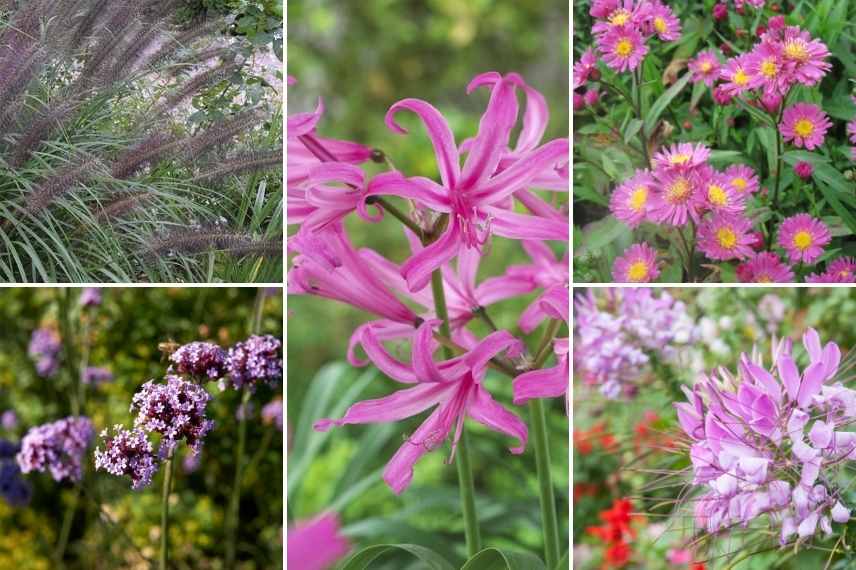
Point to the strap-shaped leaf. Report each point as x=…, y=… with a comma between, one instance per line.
x=500, y=559
x=365, y=557
x=662, y=102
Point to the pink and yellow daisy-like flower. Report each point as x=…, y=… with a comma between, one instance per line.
x=726, y=236
x=663, y=22
x=618, y=14
x=766, y=69
x=705, y=67
x=828, y=277
x=843, y=268
x=630, y=201
x=735, y=75
x=584, y=67
x=673, y=203
x=765, y=267
x=715, y=192
x=623, y=49
x=804, y=57
x=851, y=130
x=804, y=238
x=742, y=178
x=804, y=124
x=682, y=157
x=636, y=265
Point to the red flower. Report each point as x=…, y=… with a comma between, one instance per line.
x=617, y=555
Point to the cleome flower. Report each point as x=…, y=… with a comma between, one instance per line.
x=772, y=441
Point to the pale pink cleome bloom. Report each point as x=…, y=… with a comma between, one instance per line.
x=726, y=236
x=630, y=201
x=454, y=386
x=742, y=178
x=622, y=49
x=636, y=265
x=316, y=544
x=765, y=267
x=804, y=124
x=804, y=238
x=705, y=67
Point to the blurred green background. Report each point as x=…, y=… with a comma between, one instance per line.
x=125, y=332
x=360, y=58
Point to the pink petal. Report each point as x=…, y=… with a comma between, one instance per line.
x=811, y=341
x=520, y=226
x=522, y=172
x=495, y=289
x=439, y=132
x=790, y=375
x=423, y=353
x=385, y=362
x=302, y=123
x=417, y=270
x=343, y=172
x=831, y=359
x=490, y=346
x=764, y=378
x=316, y=544
x=346, y=151
x=812, y=381
x=425, y=191
x=383, y=330
x=535, y=120
x=487, y=412
x=544, y=383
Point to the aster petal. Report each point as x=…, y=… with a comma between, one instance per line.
x=438, y=131
x=417, y=270
x=484, y=409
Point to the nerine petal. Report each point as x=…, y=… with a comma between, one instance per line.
x=490, y=414
x=439, y=132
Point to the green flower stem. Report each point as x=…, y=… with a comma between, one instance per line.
x=164, y=546
x=462, y=457
x=65, y=530
x=549, y=520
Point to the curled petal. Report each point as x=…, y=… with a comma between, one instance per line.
x=494, y=131
x=302, y=123
x=422, y=190
x=417, y=270
x=544, y=383
x=438, y=131
x=522, y=172
x=385, y=362
x=490, y=346
x=520, y=226
x=487, y=412
x=423, y=353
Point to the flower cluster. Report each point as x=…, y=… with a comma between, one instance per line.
x=252, y=362
x=622, y=29
x=199, y=360
x=587, y=440
x=57, y=447
x=616, y=533
x=90, y=297
x=616, y=334
x=272, y=413
x=96, y=375
x=13, y=488
x=44, y=349
x=127, y=453
x=772, y=441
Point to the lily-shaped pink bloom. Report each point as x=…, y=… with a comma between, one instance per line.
x=549, y=382
x=454, y=386
x=316, y=544
x=547, y=272
x=476, y=198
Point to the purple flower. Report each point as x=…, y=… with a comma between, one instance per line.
x=763, y=436
x=127, y=453
x=9, y=420
x=13, y=488
x=176, y=410
x=90, y=297
x=316, y=544
x=200, y=360
x=96, y=375
x=58, y=447
x=245, y=411
x=44, y=349
x=252, y=362
x=272, y=413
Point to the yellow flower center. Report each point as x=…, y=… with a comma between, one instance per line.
x=764, y=278
x=660, y=25
x=726, y=237
x=769, y=68
x=740, y=78
x=624, y=47
x=639, y=198
x=796, y=49
x=804, y=127
x=681, y=158
x=619, y=17
x=716, y=194
x=638, y=272
x=678, y=191
x=802, y=240
x=706, y=66
x=844, y=273
x=739, y=183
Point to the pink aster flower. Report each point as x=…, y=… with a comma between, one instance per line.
x=673, y=202
x=764, y=267
x=629, y=203
x=726, y=236
x=742, y=178
x=584, y=68
x=804, y=170
x=804, y=57
x=735, y=75
x=454, y=386
x=804, y=238
x=682, y=157
x=316, y=544
x=715, y=192
x=829, y=277
x=618, y=15
x=476, y=197
x=663, y=22
x=804, y=124
x=766, y=70
x=842, y=270
x=636, y=265
x=705, y=67
x=623, y=49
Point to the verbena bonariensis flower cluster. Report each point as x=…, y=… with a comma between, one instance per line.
x=772, y=441
x=57, y=447
x=618, y=333
x=678, y=193
x=44, y=349
x=450, y=225
x=13, y=488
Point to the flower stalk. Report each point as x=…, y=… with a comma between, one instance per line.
x=163, y=559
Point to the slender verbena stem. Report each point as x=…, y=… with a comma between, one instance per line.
x=462, y=457
x=65, y=530
x=163, y=559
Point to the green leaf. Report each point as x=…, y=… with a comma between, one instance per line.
x=365, y=557
x=663, y=102
x=600, y=234
x=632, y=129
x=832, y=197
x=769, y=140
x=496, y=559
x=563, y=562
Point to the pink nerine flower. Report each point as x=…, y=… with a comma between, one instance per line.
x=636, y=265
x=454, y=386
x=316, y=544
x=761, y=438
x=705, y=67
x=804, y=124
x=765, y=267
x=623, y=49
x=629, y=203
x=804, y=238
x=726, y=236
